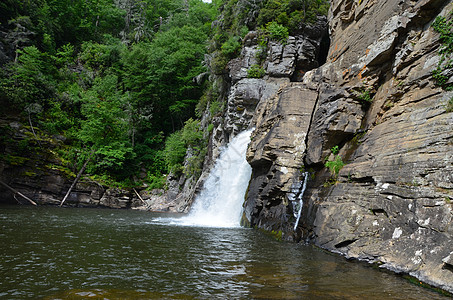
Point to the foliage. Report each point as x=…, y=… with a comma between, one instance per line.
x=335, y=150
x=156, y=181
x=191, y=133
x=28, y=80
x=273, y=31
x=159, y=75
x=112, y=77
x=292, y=13
x=195, y=161
x=256, y=71
x=177, y=144
x=174, y=152
x=215, y=107
x=102, y=106
x=100, y=57
x=277, y=32
x=112, y=159
x=336, y=164
x=210, y=95
x=218, y=63
x=261, y=52
x=366, y=96
x=115, y=78
x=445, y=28
x=231, y=47
x=236, y=15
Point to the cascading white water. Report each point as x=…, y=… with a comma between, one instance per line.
x=298, y=206
x=220, y=202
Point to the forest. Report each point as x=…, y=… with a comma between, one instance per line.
x=124, y=83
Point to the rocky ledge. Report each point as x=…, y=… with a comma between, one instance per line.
x=31, y=167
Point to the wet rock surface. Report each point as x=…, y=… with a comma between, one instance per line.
x=276, y=154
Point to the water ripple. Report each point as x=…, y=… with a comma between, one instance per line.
x=79, y=253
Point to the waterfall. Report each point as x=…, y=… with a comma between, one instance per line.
x=220, y=202
x=297, y=206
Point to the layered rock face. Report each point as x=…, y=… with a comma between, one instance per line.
x=374, y=98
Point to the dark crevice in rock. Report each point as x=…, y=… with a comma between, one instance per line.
x=345, y=243
x=379, y=211
x=400, y=194
x=432, y=205
x=428, y=10
x=324, y=49
x=310, y=124
x=366, y=179
x=448, y=267
x=315, y=49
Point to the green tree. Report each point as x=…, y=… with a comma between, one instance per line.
x=28, y=80
x=177, y=144
x=113, y=76
x=105, y=125
x=160, y=75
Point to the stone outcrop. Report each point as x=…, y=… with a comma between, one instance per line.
x=374, y=98
x=276, y=154
x=282, y=119
x=391, y=202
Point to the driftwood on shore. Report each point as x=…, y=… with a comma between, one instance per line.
x=139, y=197
x=17, y=193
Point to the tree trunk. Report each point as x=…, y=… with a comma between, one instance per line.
x=18, y=193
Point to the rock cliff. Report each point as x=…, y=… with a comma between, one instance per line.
x=375, y=100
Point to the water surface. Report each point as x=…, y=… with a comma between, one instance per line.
x=61, y=253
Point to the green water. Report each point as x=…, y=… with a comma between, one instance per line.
x=62, y=253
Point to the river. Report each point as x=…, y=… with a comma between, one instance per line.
x=74, y=253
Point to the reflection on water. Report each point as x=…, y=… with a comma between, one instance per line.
x=57, y=253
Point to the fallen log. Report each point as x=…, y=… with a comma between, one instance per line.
x=139, y=197
x=18, y=193
x=76, y=179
